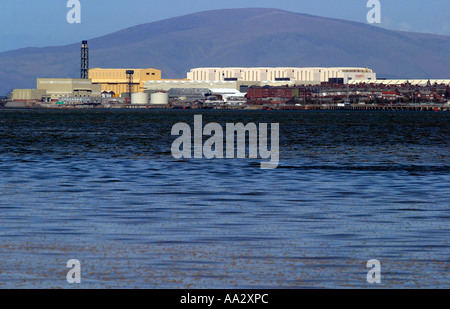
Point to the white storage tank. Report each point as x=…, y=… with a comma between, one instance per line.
x=139, y=98
x=160, y=98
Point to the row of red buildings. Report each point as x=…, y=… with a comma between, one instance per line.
x=359, y=93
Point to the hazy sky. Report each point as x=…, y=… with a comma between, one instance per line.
x=38, y=23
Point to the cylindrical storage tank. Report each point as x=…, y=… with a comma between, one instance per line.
x=160, y=98
x=139, y=98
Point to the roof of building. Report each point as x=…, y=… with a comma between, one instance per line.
x=232, y=92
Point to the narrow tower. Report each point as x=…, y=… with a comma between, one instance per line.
x=130, y=74
x=84, y=60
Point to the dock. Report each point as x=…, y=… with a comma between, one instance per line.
x=368, y=107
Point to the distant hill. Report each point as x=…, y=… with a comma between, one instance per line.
x=238, y=37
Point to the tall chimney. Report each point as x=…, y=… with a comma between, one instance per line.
x=84, y=60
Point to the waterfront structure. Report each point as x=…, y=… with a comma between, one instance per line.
x=400, y=82
x=117, y=81
x=313, y=74
x=357, y=93
x=56, y=88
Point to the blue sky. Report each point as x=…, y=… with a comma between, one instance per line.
x=25, y=23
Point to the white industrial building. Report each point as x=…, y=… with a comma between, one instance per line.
x=316, y=74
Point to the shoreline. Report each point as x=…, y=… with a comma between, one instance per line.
x=193, y=106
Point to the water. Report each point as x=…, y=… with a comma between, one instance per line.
x=101, y=186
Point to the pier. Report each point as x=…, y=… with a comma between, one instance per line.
x=430, y=107
x=368, y=107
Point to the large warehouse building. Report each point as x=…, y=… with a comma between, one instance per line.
x=281, y=74
x=56, y=88
x=68, y=87
x=28, y=94
x=116, y=80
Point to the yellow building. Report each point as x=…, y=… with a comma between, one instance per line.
x=116, y=79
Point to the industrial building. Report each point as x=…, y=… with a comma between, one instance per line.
x=118, y=81
x=68, y=87
x=189, y=94
x=255, y=93
x=200, y=94
x=28, y=94
x=241, y=86
x=317, y=74
x=51, y=89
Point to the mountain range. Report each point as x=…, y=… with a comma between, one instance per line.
x=238, y=37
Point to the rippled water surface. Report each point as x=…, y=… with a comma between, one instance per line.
x=101, y=186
